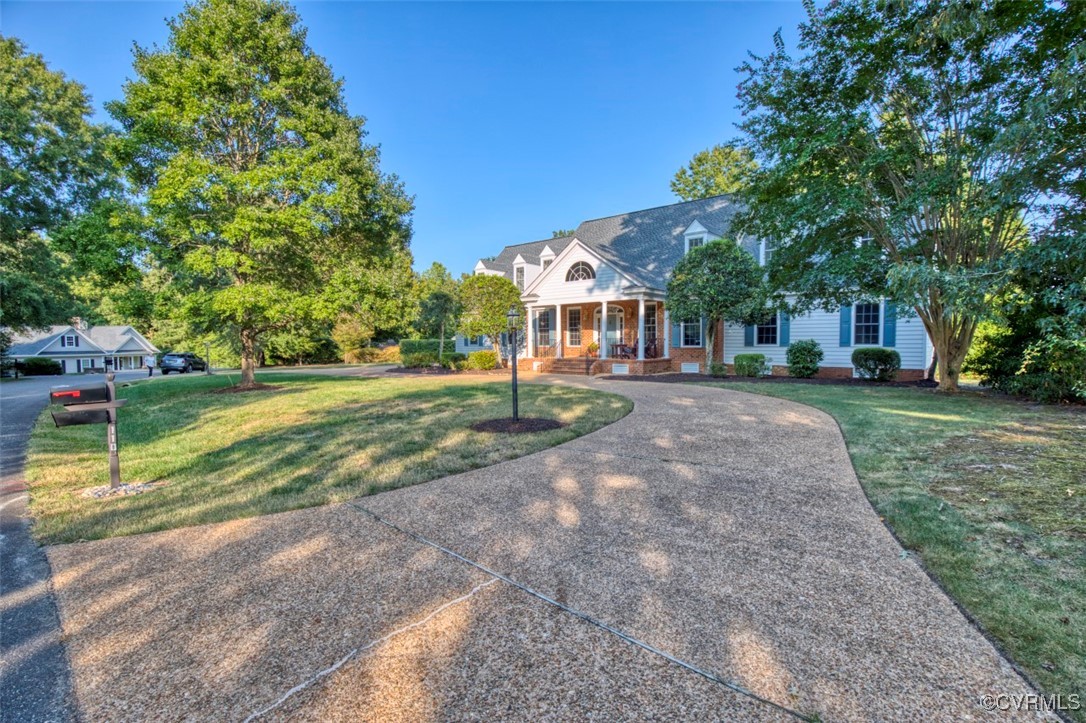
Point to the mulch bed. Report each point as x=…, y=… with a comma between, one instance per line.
x=525, y=424
x=441, y=371
x=671, y=378
x=258, y=387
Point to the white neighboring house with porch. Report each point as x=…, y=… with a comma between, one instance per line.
x=81, y=349
x=597, y=302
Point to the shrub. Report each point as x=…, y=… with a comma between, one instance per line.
x=418, y=360
x=425, y=346
x=717, y=369
x=876, y=363
x=450, y=361
x=1053, y=370
x=750, y=365
x=804, y=356
x=373, y=354
x=37, y=366
x=483, y=359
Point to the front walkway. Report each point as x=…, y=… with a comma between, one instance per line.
x=710, y=556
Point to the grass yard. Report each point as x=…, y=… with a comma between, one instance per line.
x=315, y=440
x=991, y=494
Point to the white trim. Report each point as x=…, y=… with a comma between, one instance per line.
x=689, y=368
x=559, y=260
x=882, y=324
x=682, y=336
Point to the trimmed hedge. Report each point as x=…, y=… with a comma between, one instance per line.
x=804, y=357
x=39, y=366
x=750, y=365
x=876, y=363
x=425, y=346
x=483, y=359
x=455, y=360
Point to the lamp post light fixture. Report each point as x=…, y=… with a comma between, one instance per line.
x=513, y=317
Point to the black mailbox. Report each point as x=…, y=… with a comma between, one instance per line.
x=72, y=396
x=91, y=404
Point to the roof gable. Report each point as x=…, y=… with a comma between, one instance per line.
x=558, y=266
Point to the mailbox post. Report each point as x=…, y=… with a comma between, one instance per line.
x=92, y=404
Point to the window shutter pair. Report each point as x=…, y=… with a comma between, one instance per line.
x=783, y=331
x=889, y=325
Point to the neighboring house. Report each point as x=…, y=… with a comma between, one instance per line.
x=607, y=284
x=80, y=349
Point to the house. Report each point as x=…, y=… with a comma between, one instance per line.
x=79, y=348
x=606, y=284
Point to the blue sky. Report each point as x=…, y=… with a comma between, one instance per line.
x=506, y=121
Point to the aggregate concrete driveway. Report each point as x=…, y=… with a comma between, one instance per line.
x=710, y=557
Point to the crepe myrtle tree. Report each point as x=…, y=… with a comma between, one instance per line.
x=714, y=171
x=257, y=180
x=485, y=300
x=891, y=153
x=718, y=281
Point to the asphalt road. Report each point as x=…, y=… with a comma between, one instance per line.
x=35, y=680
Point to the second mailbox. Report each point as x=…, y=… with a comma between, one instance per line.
x=73, y=398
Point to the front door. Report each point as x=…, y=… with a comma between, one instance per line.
x=615, y=326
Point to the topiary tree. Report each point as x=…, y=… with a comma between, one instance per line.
x=485, y=300
x=718, y=282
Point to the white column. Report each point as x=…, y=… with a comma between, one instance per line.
x=604, y=350
x=558, y=331
x=641, y=329
x=529, y=331
x=667, y=333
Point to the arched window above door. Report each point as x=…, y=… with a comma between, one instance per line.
x=580, y=271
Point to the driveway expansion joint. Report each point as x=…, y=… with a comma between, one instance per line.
x=585, y=617
x=363, y=648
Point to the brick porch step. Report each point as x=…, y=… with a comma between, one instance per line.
x=574, y=365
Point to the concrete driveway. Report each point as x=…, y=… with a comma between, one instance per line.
x=711, y=557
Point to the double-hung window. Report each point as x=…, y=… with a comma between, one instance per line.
x=69, y=340
x=692, y=242
x=544, y=326
x=650, y=322
x=691, y=333
x=519, y=276
x=573, y=326
x=867, y=324
x=767, y=331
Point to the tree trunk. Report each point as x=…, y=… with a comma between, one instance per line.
x=710, y=343
x=951, y=346
x=930, y=375
x=248, y=358
x=441, y=343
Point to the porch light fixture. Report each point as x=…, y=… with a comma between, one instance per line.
x=513, y=317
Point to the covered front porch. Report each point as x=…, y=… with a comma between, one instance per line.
x=623, y=336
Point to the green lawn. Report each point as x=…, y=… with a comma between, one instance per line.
x=315, y=440
x=991, y=494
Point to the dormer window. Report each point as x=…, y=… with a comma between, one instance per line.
x=518, y=277
x=767, y=252
x=547, y=263
x=692, y=242
x=69, y=340
x=580, y=271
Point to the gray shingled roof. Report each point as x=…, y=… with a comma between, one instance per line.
x=644, y=245
x=503, y=262
x=105, y=338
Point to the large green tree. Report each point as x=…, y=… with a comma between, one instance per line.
x=258, y=182
x=718, y=281
x=715, y=171
x=485, y=300
x=53, y=167
x=891, y=153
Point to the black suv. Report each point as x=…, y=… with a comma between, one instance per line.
x=183, y=362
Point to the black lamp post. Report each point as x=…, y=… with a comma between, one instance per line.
x=513, y=316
